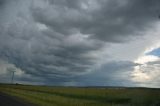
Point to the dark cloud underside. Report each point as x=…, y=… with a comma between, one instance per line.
x=56, y=39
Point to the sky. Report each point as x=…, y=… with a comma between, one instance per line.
x=80, y=42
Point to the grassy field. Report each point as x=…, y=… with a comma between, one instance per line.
x=72, y=96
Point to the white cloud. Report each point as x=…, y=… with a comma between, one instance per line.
x=146, y=58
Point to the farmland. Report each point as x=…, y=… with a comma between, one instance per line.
x=79, y=96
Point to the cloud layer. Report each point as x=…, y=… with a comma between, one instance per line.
x=56, y=41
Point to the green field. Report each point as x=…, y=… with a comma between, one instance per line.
x=72, y=96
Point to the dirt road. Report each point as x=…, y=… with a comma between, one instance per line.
x=6, y=100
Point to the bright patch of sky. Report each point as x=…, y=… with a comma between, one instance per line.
x=155, y=52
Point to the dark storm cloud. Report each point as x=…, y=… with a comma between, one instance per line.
x=35, y=52
x=114, y=73
x=3, y=2
x=111, y=21
x=56, y=39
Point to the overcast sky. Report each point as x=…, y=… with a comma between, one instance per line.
x=80, y=42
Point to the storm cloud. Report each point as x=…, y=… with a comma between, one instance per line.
x=58, y=40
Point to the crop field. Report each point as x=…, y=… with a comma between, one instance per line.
x=74, y=96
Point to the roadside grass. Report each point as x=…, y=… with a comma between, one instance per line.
x=72, y=96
